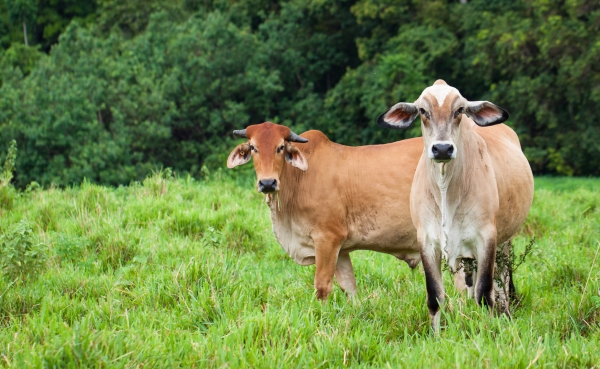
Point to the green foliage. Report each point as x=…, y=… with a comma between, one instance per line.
x=133, y=86
x=20, y=11
x=9, y=164
x=7, y=191
x=45, y=20
x=539, y=59
x=20, y=59
x=20, y=256
x=132, y=17
x=207, y=285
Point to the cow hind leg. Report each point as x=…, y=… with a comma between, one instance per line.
x=470, y=267
x=460, y=281
x=512, y=290
x=463, y=278
x=344, y=273
x=484, y=284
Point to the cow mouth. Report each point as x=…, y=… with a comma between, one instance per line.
x=268, y=191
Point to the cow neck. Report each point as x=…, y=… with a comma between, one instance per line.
x=450, y=181
x=289, y=189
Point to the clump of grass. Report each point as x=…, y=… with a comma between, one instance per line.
x=70, y=248
x=115, y=248
x=21, y=257
x=158, y=183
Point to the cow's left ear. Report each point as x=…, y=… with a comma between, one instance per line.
x=295, y=157
x=485, y=114
x=399, y=116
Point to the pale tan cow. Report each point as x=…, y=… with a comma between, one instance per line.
x=327, y=200
x=472, y=189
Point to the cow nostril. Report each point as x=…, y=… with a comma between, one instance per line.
x=267, y=185
x=442, y=151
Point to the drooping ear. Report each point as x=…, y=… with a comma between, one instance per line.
x=240, y=155
x=399, y=116
x=485, y=114
x=295, y=157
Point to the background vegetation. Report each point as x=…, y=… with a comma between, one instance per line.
x=175, y=271
x=181, y=273
x=109, y=90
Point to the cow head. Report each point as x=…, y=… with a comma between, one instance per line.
x=441, y=108
x=270, y=145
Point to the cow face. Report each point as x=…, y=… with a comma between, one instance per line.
x=270, y=146
x=441, y=108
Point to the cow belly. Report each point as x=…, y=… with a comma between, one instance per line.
x=294, y=237
x=393, y=241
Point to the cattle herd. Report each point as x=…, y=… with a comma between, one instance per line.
x=461, y=192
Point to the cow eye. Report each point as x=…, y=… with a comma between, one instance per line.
x=459, y=112
x=424, y=113
x=280, y=149
x=253, y=148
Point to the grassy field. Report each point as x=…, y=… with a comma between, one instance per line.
x=181, y=273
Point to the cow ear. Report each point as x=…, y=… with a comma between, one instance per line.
x=295, y=157
x=485, y=114
x=399, y=116
x=240, y=155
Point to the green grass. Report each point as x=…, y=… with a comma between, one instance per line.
x=181, y=273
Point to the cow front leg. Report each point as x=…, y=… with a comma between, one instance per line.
x=484, y=284
x=344, y=273
x=431, y=257
x=326, y=254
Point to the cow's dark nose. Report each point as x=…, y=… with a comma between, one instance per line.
x=267, y=185
x=442, y=151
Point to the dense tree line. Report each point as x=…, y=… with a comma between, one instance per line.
x=109, y=90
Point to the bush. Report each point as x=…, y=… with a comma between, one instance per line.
x=21, y=258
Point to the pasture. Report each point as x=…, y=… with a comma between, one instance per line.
x=173, y=272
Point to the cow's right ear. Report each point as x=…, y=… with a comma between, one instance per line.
x=240, y=155
x=399, y=116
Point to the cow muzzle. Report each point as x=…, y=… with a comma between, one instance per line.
x=268, y=185
x=442, y=152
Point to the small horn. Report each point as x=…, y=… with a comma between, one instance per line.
x=295, y=138
x=240, y=133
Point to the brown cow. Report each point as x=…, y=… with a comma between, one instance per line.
x=330, y=199
x=472, y=189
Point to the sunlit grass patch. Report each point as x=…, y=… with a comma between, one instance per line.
x=176, y=272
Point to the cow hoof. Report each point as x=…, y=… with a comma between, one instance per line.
x=323, y=293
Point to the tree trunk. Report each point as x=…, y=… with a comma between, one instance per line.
x=25, y=32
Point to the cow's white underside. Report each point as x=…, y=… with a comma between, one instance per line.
x=294, y=236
